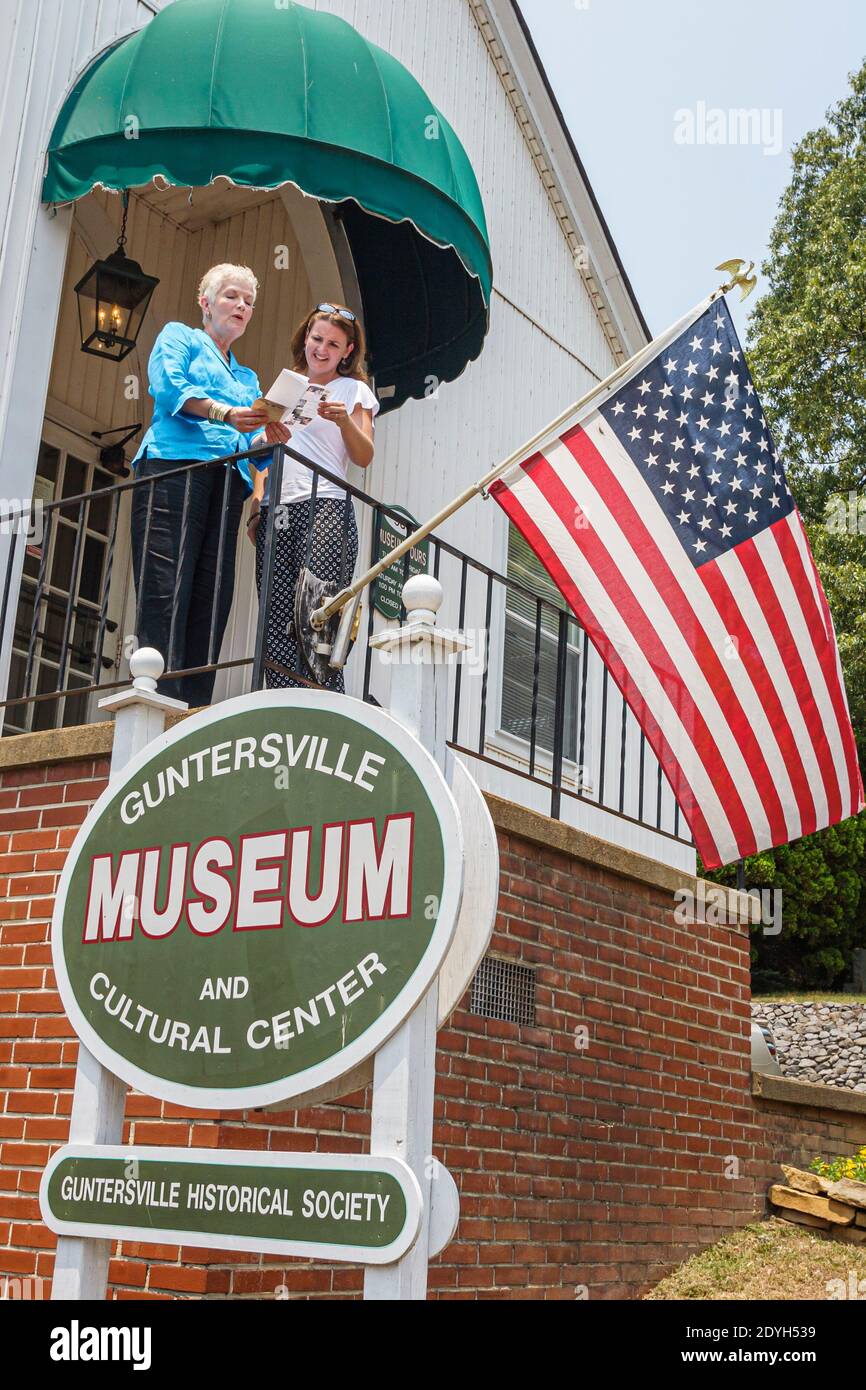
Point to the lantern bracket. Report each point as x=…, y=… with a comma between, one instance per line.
x=112, y=456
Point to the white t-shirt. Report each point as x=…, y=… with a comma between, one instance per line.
x=322, y=443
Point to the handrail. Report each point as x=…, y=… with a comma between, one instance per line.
x=558, y=653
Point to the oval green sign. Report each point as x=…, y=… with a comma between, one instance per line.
x=259, y=900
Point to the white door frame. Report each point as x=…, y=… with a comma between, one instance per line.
x=21, y=423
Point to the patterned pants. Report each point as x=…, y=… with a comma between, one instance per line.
x=333, y=552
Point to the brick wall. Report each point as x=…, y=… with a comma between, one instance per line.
x=592, y=1152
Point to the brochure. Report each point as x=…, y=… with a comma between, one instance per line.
x=293, y=400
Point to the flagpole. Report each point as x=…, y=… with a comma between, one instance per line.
x=321, y=615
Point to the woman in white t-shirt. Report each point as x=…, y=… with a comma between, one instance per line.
x=329, y=347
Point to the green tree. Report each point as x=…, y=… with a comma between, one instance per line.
x=822, y=880
x=807, y=338
x=807, y=354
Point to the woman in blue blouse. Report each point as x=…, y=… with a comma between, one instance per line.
x=202, y=399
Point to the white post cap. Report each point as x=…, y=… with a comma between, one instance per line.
x=422, y=599
x=146, y=666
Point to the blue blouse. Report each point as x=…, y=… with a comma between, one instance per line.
x=187, y=364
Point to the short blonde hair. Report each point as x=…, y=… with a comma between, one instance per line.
x=218, y=276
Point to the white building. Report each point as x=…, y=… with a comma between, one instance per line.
x=562, y=315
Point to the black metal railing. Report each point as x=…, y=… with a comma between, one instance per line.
x=532, y=697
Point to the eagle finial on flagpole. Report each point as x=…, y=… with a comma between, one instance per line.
x=741, y=274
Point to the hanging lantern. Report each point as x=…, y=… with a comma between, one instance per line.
x=112, y=301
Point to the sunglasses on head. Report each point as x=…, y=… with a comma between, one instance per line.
x=341, y=313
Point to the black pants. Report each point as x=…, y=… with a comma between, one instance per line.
x=333, y=549
x=184, y=593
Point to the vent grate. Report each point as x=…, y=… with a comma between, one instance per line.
x=505, y=990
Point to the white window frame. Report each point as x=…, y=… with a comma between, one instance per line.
x=506, y=747
x=68, y=440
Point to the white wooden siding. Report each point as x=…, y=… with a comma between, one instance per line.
x=43, y=47
x=544, y=326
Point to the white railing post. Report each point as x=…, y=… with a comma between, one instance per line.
x=404, y=1074
x=81, y=1264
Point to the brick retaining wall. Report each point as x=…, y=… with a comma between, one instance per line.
x=593, y=1160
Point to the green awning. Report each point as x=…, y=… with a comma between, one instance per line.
x=268, y=92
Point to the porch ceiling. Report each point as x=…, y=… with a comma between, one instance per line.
x=263, y=96
x=193, y=208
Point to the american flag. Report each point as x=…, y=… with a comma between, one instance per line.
x=665, y=519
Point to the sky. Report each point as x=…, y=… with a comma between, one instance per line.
x=643, y=85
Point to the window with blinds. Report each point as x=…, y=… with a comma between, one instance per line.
x=521, y=619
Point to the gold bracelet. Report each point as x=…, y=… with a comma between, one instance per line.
x=219, y=413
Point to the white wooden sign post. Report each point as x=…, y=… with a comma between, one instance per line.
x=99, y=1098
x=404, y=1072
x=180, y=962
